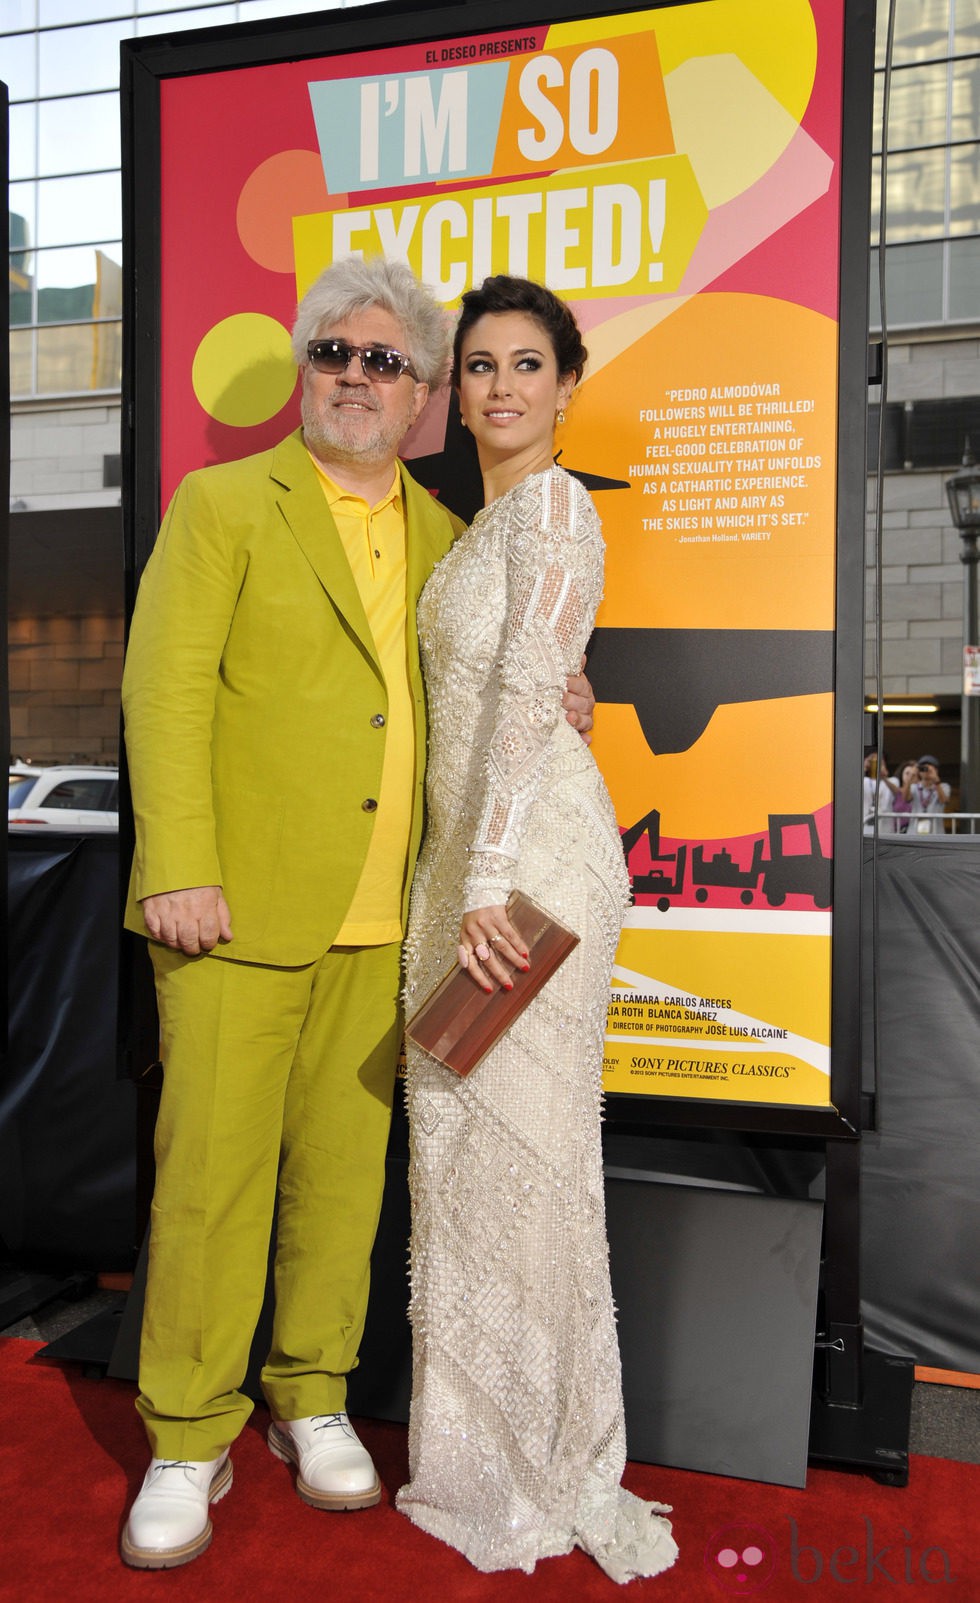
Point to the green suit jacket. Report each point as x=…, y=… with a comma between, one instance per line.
x=252, y=693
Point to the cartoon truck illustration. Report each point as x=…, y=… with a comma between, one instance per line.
x=806, y=873
x=656, y=882
x=723, y=870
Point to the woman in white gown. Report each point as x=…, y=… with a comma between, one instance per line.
x=516, y=1439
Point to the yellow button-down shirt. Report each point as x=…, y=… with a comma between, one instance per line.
x=374, y=540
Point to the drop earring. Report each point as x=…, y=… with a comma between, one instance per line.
x=560, y=415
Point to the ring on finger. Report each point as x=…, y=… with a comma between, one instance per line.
x=483, y=951
x=495, y=938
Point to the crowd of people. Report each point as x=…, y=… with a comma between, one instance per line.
x=911, y=801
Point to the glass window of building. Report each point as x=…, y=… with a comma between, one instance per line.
x=20, y=65
x=78, y=135
x=16, y=14
x=61, y=65
x=932, y=213
x=185, y=20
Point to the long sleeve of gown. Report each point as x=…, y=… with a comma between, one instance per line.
x=554, y=585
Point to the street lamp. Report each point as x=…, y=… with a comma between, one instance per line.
x=963, y=491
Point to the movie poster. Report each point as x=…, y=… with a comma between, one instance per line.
x=674, y=174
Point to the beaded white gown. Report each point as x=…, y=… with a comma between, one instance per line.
x=516, y=1440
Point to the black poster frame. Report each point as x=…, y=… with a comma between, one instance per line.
x=146, y=62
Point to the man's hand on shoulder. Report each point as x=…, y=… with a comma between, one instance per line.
x=579, y=703
x=190, y=921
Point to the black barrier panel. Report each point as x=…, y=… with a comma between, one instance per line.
x=67, y=1144
x=728, y=1393
x=67, y=1123
x=920, y=1197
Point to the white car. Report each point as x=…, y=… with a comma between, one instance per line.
x=75, y=800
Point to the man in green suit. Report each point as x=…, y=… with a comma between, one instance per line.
x=275, y=729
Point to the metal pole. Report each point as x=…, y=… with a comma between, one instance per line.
x=970, y=714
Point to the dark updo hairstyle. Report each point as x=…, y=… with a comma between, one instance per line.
x=503, y=294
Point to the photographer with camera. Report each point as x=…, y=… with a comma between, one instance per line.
x=928, y=795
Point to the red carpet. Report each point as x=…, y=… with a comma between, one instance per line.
x=73, y=1455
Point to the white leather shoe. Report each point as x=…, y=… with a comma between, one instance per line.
x=334, y=1468
x=168, y=1523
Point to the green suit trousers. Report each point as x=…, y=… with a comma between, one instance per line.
x=273, y=1077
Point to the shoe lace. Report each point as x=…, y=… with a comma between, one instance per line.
x=325, y=1421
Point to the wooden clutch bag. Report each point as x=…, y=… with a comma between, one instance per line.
x=459, y=1023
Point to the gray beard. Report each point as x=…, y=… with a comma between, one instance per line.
x=332, y=444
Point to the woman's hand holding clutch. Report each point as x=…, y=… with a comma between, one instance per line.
x=486, y=935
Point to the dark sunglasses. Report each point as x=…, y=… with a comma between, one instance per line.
x=381, y=364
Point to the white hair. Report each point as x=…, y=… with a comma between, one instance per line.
x=353, y=285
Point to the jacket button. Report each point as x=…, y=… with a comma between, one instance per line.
x=369, y=805
x=378, y=721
